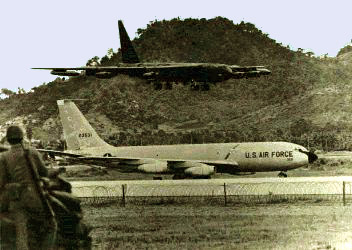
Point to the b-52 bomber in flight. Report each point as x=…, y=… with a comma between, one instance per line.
x=182, y=160
x=197, y=75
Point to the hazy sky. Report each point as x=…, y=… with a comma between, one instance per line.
x=43, y=33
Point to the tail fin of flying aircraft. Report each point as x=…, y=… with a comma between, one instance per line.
x=78, y=132
x=129, y=55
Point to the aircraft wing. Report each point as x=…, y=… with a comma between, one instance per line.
x=145, y=164
x=133, y=160
x=154, y=165
x=249, y=71
x=190, y=166
x=204, y=72
x=59, y=153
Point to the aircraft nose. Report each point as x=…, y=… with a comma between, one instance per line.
x=311, y=156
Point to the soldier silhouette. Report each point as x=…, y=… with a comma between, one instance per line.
x=20, y=196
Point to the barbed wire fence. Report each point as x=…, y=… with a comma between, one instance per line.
x=223, y=194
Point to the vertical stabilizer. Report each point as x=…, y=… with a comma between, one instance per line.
x=78, y=133
x=129, y=55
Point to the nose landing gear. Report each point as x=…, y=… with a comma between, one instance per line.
x=282, y=174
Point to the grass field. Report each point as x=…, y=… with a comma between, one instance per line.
x=299, y=225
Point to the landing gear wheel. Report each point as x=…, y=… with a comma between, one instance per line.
x=282, y=174
x=194, y=86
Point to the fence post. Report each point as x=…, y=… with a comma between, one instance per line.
x=344, y=193
x=124, y=187
x=225, y=197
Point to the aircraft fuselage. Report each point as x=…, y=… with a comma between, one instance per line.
x=246, y=157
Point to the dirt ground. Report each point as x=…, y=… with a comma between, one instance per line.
x=302, y=225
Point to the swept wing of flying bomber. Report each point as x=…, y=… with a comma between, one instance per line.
x=193, y=160
x=198, y=75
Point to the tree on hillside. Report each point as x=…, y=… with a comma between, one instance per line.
x=300, y=127
x=21, y=91
x=105, y=59
x=7, y=92
x=93, y=61
x=344, y=50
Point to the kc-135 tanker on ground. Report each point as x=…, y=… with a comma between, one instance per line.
x=197, y=75
x=187, y=160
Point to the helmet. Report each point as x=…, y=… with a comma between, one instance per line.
x=14, y=132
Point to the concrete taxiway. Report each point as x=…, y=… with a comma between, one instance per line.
x=213, y=187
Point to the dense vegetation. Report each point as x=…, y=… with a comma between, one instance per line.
x=276, y=107
x=345, y=50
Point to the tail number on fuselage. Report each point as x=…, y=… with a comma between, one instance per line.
x=84, y=135
x=274, y=154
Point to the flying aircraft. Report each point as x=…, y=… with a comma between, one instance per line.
x=187, y=160
x=197, y=75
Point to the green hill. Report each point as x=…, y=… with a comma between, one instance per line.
x=304, y=100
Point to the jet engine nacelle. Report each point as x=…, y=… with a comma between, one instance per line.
x=156, y=167
x=200, y=170
x=64, y=73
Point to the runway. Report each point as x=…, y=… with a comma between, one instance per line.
x=214, y=187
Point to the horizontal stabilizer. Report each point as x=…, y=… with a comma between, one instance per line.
x=59, y=153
